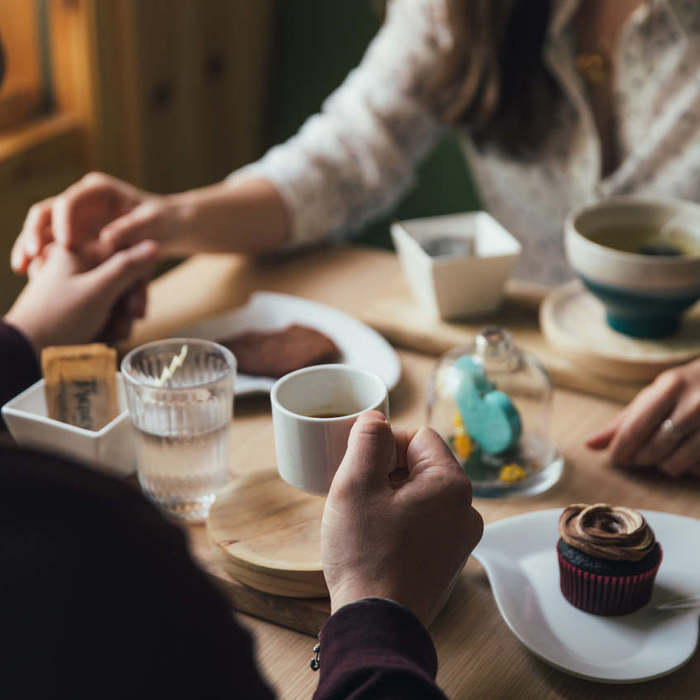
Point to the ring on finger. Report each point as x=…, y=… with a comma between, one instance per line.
x=670, y=431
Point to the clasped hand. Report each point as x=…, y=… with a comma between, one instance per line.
x=89, y=253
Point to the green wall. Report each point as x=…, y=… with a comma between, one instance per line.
x=319, y=41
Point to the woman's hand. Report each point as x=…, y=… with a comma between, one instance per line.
x=660, y=427
x=65, y=303
x=97, y=216
x=398, y=521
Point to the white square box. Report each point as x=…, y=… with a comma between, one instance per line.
x=452, y=286
x=110, y=449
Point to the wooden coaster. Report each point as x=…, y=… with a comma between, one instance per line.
x=267, y=534
x=573, y=320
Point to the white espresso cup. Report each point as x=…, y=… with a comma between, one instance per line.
x=313, y=410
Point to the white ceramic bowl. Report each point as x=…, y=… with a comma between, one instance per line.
x=110, y=449
x=644, y=295
x=453, y=286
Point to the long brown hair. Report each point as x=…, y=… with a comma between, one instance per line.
x=504, y=94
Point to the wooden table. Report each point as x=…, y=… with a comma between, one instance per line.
x=479, y=656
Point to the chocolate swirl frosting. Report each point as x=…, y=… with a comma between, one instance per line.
x=608, y=532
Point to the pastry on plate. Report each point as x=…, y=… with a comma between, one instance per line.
x=608, y=558
x=276, y=353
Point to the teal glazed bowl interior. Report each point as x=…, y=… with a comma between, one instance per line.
x=645, y=295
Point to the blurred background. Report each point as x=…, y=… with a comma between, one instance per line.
x=173, y=94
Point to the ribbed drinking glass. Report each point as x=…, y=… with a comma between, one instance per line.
x=182, y=423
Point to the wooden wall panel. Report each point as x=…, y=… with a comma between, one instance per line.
x=35, y=162
x=182, y=88
x=118, y=141
x=173, y=94
x=20, y=93
x=73, y=64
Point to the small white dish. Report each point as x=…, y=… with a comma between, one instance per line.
x=110, y=449
x=360, y=346
x=520, y=559
x=452, y=286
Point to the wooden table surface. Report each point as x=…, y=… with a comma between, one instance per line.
x=478, y=654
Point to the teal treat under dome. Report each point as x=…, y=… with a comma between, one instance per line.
x=492, y=419
x=490, y=401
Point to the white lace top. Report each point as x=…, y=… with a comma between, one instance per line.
x=354, y=159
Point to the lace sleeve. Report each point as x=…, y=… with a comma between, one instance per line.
x=352, y=160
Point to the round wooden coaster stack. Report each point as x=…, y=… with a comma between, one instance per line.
x=573, y=321
x=267, y=534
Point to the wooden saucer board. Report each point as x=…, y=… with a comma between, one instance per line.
x=262, y=548
x=305, y=615
x=405, y=323
x=573, y=321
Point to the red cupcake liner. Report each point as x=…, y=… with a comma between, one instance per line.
x=606, y=595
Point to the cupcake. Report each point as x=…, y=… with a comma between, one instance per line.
x=608, y=558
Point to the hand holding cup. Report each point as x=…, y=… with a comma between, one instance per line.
x=398, y=521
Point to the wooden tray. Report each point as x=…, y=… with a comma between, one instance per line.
x=403, y=322
x=573, y=321
x=267, y=535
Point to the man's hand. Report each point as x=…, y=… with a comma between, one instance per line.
x=65, y=303
x=398, y=521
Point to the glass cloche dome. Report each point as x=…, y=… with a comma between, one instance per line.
x=490, y=401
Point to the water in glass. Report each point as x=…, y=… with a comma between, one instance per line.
x=182, y=428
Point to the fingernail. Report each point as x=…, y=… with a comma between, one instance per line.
x=146, y=247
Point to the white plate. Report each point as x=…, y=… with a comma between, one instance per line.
x=359, y=345
x=520, y=559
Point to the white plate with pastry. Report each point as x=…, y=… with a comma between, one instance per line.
x=519, y=555
x=358, y=344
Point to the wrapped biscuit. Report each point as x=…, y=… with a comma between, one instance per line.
x=80, y=384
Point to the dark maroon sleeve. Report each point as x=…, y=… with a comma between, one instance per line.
x=18, y=365
x=376, y=649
